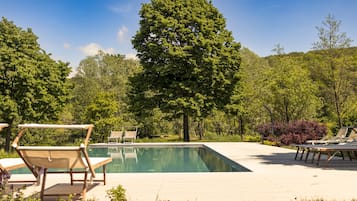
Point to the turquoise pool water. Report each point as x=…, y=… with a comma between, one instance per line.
x=139, y=159
x=165, y=159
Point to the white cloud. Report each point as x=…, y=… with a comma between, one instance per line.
x=122, y=32
x=121, y=8
x=93, y=48
x=66, y=45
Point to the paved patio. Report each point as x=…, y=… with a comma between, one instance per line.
x=275, y=176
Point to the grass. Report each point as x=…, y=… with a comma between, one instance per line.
x=209, y=137
x=4, y=154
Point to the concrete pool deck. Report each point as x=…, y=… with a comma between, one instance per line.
x=275, y=176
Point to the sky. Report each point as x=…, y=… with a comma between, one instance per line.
x=71, y=30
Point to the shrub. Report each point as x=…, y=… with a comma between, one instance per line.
x=117, y=194
x=294, y=132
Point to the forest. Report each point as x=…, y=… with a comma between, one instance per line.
x=193, y=82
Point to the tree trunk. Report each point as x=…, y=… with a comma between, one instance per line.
x=200, y=129
x=337, y=104
x=335, y=93
x=8, y=138
x=186, y=133
x=241, y=128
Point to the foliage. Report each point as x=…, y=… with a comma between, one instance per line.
x=99, y=95
x=245, y=104
x=190, y=60
x=289, y=93
x=117, y=194
x=332, y=69
x=9, y=194
x=34, y=87
x=4, y=154
x=155, y=124
x=187, y=68
x=294, y=132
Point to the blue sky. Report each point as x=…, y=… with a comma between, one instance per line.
x=72, y=29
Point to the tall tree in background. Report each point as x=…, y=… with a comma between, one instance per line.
x=33, y=87
x=290, y=94
x=332, y=67
x=245, y=105
x=99, y=95
x=189, y=59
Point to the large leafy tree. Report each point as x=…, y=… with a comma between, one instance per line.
x=33, y=87
x=189, y=58
x=332, y=68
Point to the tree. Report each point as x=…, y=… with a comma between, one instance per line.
x=33, y=87
x=189, y=59
x=336, y=84
x=99, y=95
x=290, y=92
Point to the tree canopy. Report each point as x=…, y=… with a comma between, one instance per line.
x=33, y=87
x=190, y=60
x=333, y=69
x=99, y=95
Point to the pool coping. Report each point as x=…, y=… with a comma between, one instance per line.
x=275, y=176
x=229, y=161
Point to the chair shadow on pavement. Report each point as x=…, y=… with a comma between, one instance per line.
x=66, y=190
x=337, y=163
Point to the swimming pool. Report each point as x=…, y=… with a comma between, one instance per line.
x=129, y=158
x=165, y=159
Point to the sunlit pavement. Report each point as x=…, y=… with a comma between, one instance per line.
x=275, y=175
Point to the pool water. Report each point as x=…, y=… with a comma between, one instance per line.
x=131, y=159
x=165, y=159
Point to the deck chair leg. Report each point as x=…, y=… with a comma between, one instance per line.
x=318, y=158
x=104, y=175
x=71, y=176
x=343, y=156
x=302, y=154
x=84, y=190
x=349, y=155
x=307, y=155
x=43, y=183
x=313, y=157
x=297, y=152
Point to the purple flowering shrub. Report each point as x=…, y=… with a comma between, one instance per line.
x=296, y=132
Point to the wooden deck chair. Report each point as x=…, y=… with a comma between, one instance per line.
x=60, y=159
x=345, y=145
x=339, y=137
x=130, y=134
x=117, y=136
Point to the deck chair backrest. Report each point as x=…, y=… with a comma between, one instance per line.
x=130, y=134
x=116, y=134
x=66, y=157
x=53, y=157
x=342, y=132
x=353, y=135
